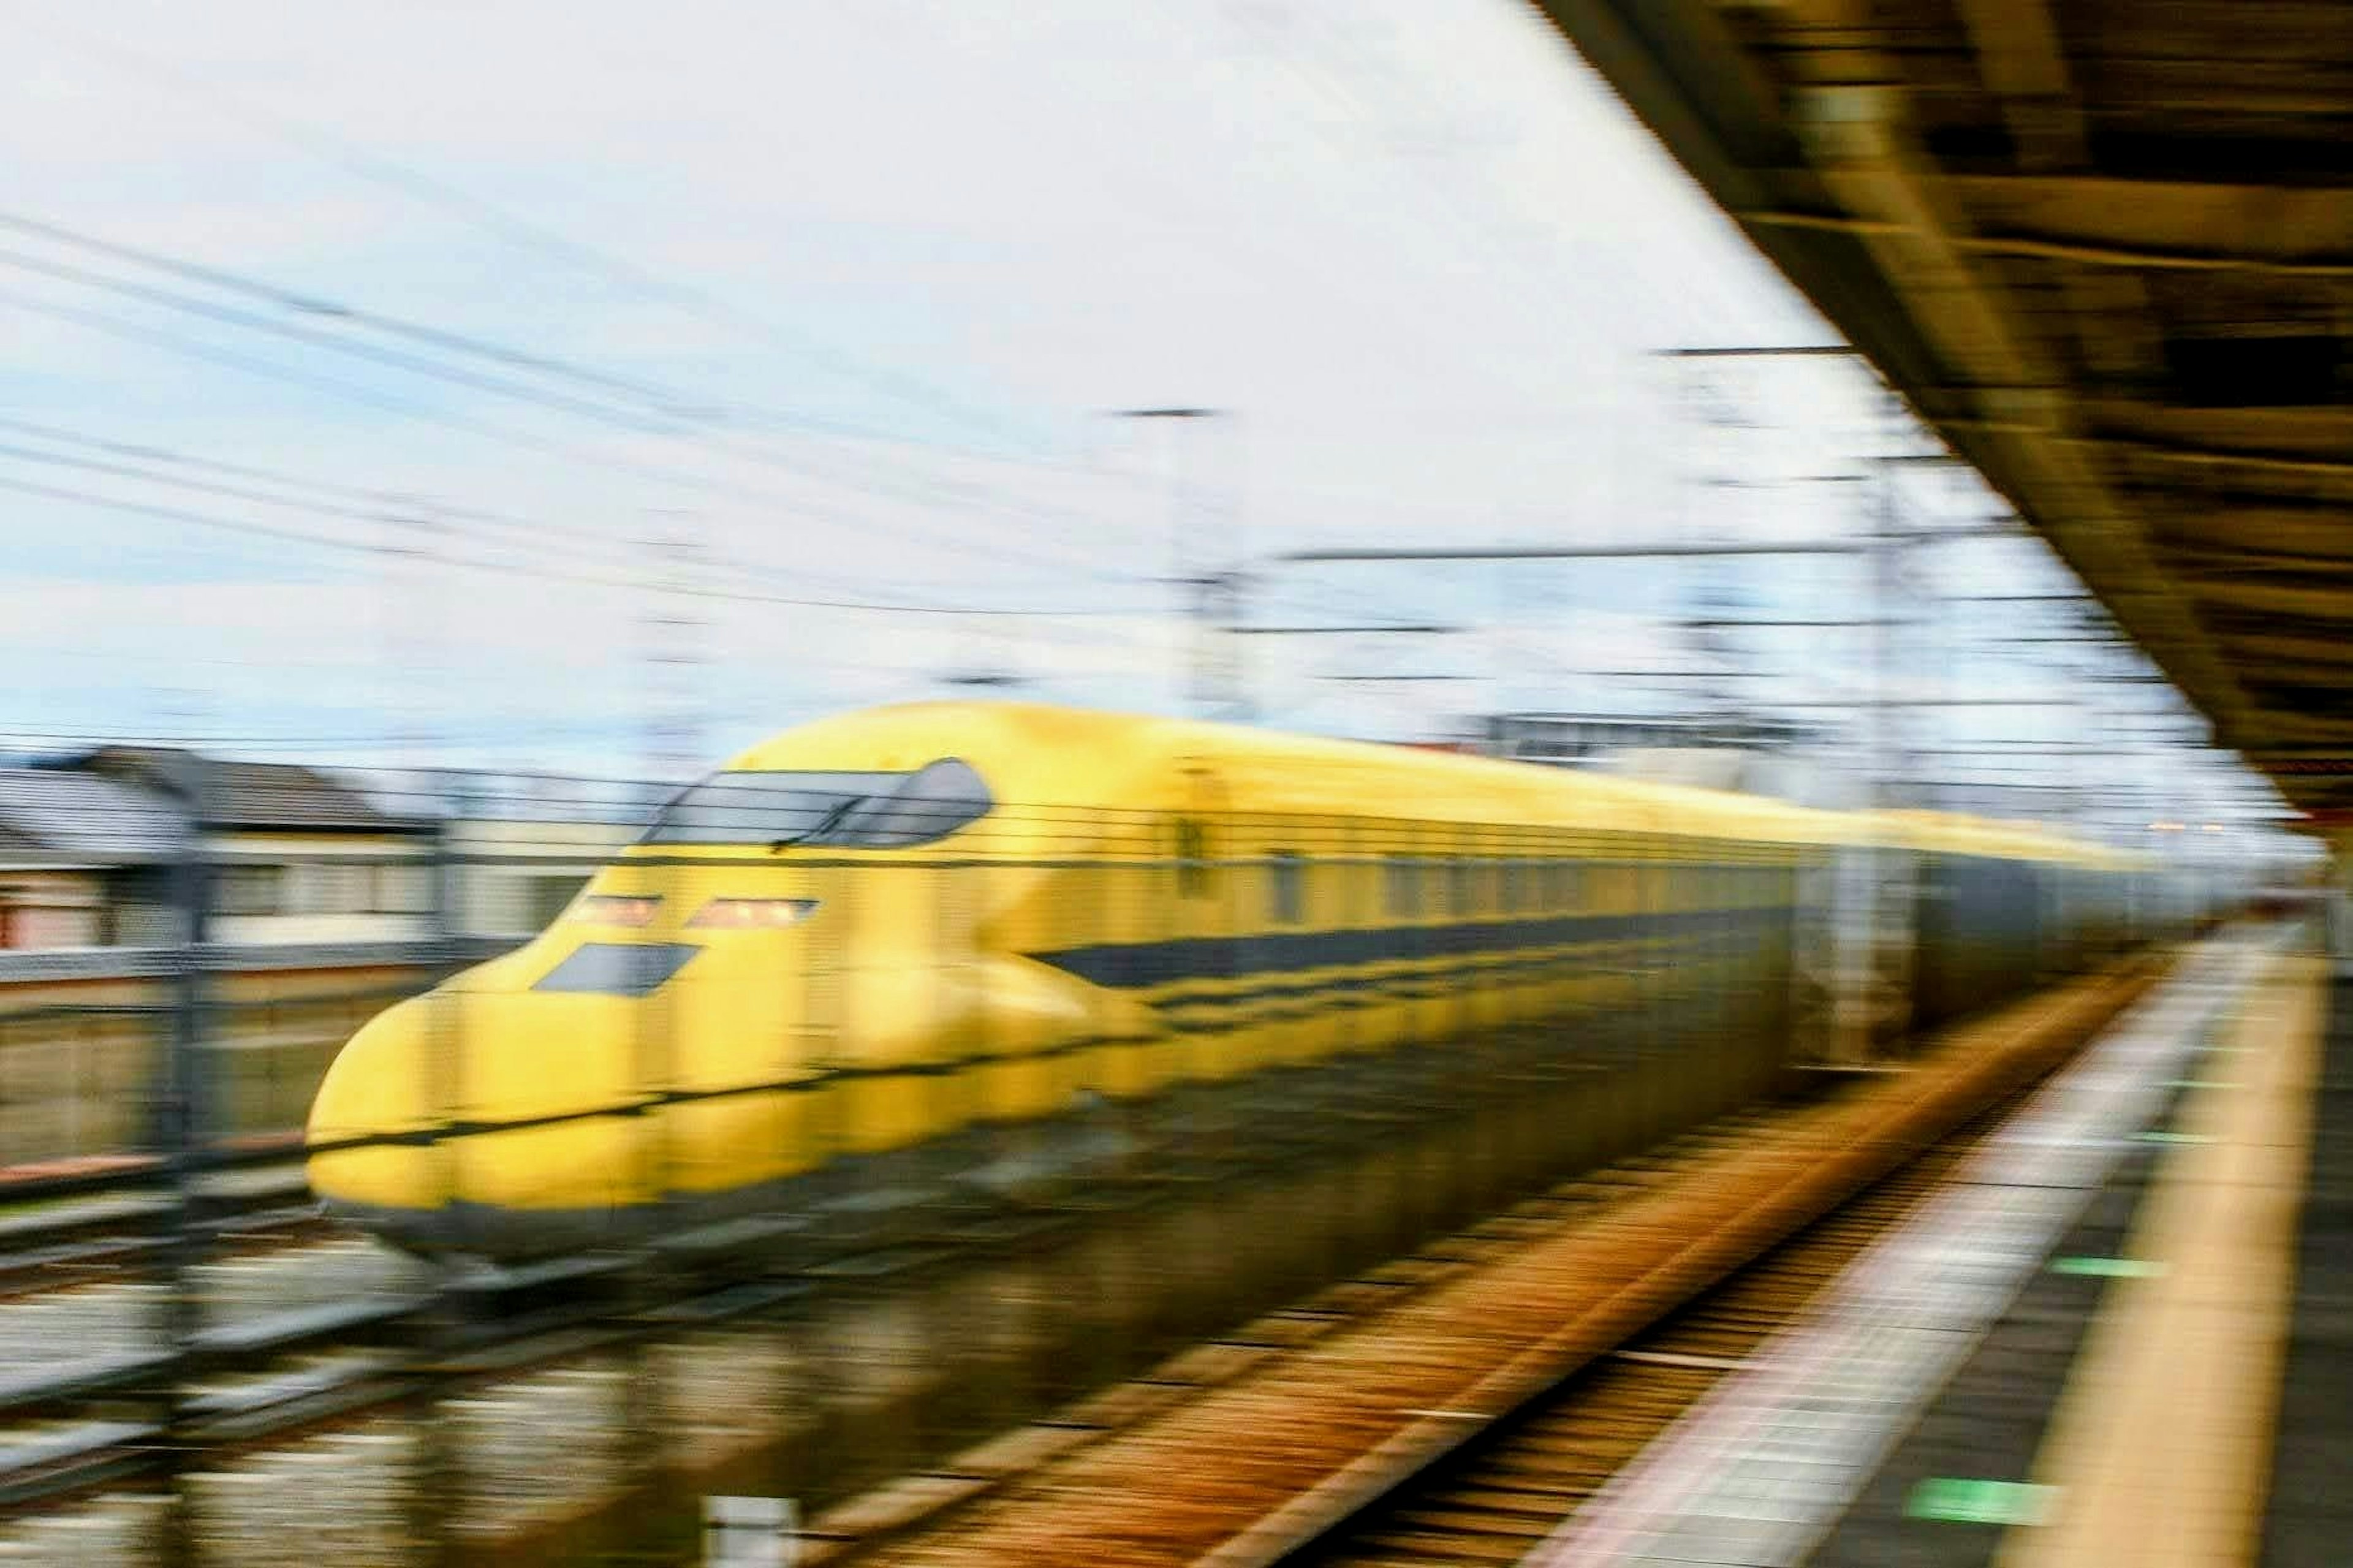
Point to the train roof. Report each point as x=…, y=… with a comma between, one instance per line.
x=1043, y=758
x=1959, y=835
x=1050, y=766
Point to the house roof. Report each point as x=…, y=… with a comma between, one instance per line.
x=82, y=819
x=240, y=794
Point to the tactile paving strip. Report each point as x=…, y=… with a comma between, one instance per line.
x=1756, y=1473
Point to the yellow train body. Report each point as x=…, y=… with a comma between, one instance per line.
x=1085, y=908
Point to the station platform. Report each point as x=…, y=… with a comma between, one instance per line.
x=2124, y=1337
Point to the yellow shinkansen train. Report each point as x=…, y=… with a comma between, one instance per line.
x=906, y=940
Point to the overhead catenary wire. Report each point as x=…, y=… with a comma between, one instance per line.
x=302, y=302
x=264, y=530
x=476, y=212
x=231, y=315
x=914, y=492
x=379, y=169
x=148, y=452
x=664, y=411
x=348, y=501
x=319, y=308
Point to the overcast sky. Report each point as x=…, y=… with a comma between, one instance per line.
x=466, y=307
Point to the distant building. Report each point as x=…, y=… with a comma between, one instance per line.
x=520, y=845
x=87, y=845
x=1583, y=740
x=83, y=862
x=298, y=857
x=1780, y=758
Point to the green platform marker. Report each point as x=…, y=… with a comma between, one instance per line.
x=2154, y=1136
x=2108, y=1268
x=1960, y=1501
x=2200, y=1083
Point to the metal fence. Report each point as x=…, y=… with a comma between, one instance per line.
x=772, y=1167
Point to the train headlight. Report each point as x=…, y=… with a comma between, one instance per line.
x=744, y=914
x=616, y=910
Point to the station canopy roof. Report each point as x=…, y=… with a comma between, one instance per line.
x=2105, y=248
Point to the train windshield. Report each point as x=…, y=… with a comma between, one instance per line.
x=852, y=811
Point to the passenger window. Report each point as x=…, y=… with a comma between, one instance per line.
x=1458, y=887
x=1192, y=858
x=1515, y=885
x=1287, y=887
x=1405, y=886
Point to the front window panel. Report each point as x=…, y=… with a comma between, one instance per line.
x=845, y=810
x=930, y=803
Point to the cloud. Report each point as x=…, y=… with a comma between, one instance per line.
x=1417, y=255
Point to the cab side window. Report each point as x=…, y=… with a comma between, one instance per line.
x=1286, y=881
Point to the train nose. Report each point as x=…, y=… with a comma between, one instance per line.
x=442, y=1125
x=369, y=1122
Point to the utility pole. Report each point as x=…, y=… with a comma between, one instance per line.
x=183, y=1135
x=412, y=616
x=1712, y=598
x=412, y=610
x=1875, y=995
x=670, y=651
x=672, y=633
x=1205, y=567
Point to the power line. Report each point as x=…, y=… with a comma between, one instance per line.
x=1538, y=277
x=342, y=501
x=523, y=234
x=141, y=451
x=233, y=525
x=116, y=327
x=673, y=415
x=916, y=490
x=317, y=308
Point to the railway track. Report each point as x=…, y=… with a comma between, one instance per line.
x=300, y=1323
x=1497, y=1497
x=1511, y=1487
x=109, y=1234
x=307, y=1328
x=1292, y=1454
x=849, y=1532
x=345, y=1356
